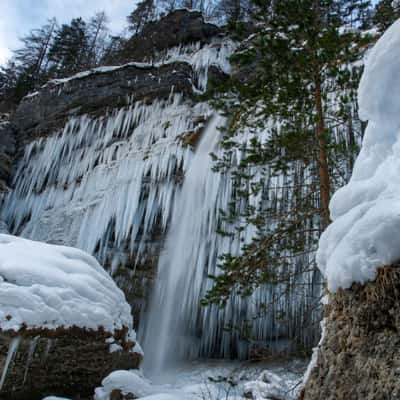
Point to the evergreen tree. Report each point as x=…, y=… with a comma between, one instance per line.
x=143, y=13
x=31, y=60
x=234, y=11
x=302, y=88
x=97, y=33
x=386, y=13
x=70, y=48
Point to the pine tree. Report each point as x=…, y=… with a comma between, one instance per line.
x=301, y=86
x=32, y=58
x=386, y=12
x=143, y=13
x=69, y=51
x=97, y=33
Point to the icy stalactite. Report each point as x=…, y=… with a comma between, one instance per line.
x=31, y=352
x=201, y=58
x=12, y=349
x=103, y=178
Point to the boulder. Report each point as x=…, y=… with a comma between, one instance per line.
x=64, y=324
x=178, y=28
x=359, y=354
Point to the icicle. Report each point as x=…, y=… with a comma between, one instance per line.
x=12, y=349
x=31, y=351
x=48, y=347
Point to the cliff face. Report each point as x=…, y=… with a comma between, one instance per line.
x=178, y=28
x=96, y=93
x=102, y=158
x=102, y=153
x=359, y=355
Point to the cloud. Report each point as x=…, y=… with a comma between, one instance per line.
x=20, y=16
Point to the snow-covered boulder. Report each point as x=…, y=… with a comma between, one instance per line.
x=64, y=324
x=267, y=386
x=124, y=384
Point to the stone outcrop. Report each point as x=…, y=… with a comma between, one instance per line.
x=359, y=355
x=178, y=28
x=61, y=362
x=97, y=93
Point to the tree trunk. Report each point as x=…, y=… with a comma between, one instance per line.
x=322, y=155
x=320, y=132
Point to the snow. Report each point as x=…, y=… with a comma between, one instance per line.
x=128, y=382
x=268, y=386
x=212, y=380
x=55, y=398
x=48, y=286
x=365, y=233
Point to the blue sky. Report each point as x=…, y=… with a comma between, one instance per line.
x=18, y=17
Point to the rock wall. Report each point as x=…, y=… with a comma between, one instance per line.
x=68, y=363
x=105, y=99
x=359, y=355
x=178, y=28
x=96, y=94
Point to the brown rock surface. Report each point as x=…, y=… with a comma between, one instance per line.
x=359, y=356
x=61, y=362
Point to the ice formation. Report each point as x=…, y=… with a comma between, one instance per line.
x=105, y=185
x=12, y=349
x=104, y=176
x=47, y=286
x=365, y=233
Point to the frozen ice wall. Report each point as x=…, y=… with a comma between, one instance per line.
x=365, y=233
x=110, y=185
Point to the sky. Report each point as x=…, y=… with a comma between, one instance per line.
x=18, y=17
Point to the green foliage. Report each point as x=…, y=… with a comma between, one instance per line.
x=301, y=47
x=385, y=14
x=68, y=53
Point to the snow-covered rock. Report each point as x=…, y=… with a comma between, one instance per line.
x=267, y=386
x=365, y=233
x=64, y=323
x=47, y=286
x=125, y=383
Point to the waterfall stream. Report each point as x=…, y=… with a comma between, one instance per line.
x=189, y=244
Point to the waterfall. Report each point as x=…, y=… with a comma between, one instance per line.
x=189, y=245
x=112, y=186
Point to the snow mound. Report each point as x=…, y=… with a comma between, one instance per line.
x=47, y=286
x=268, y=386
x=127, y=382
x=365, y=233
x=55, y=398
